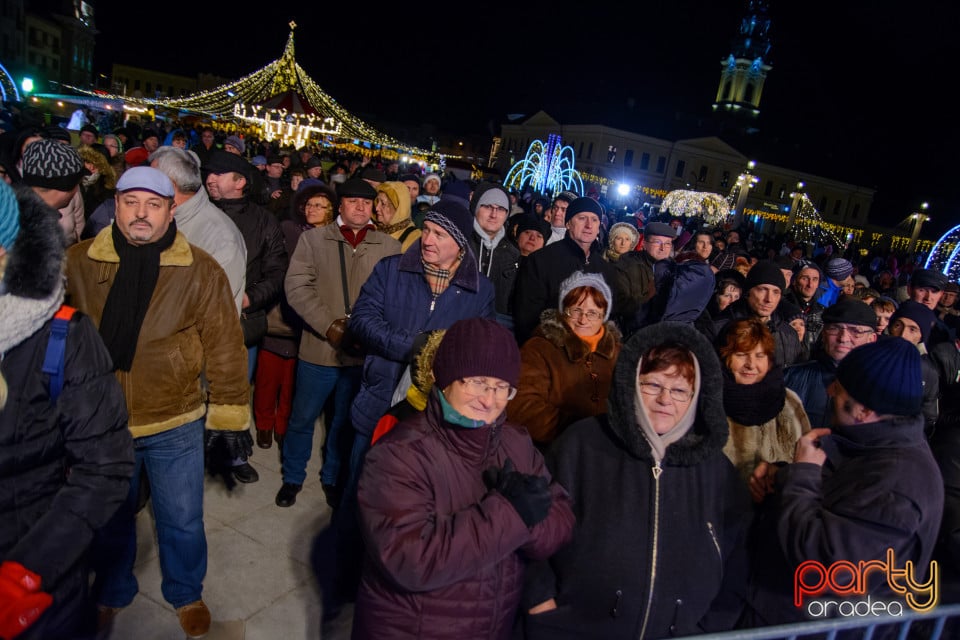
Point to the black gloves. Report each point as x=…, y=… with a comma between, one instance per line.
x=222, y=448
x=528, y=494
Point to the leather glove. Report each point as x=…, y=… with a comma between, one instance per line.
x=528, y=494
x=21, y=600
x=221, y=448
x=336, y=331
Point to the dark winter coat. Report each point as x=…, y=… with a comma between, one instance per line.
x=446, y=555
x=633, y=287
x=500, y=266
x=394, y=306
x=266, y=255
x=809, y=380
x=538, y=280
x=879, y=489
x=64, y=467
x=658, y=548
x=812, y=317
x=561, y=380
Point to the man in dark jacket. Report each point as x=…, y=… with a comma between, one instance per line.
x=633, y=282
x=865, y=491
x=540, y=274
x=497, y=257
x=48, y=517
x=803, y=291
x=848, y=324
x=266, y=259
x=764, y=288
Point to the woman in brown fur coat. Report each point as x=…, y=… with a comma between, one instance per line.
x=566, y=366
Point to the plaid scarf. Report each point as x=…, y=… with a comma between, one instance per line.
x=438, y=279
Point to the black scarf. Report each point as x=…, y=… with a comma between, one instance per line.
x=754, y=404
x=130, y=294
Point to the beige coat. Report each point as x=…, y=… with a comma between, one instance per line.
x=314, y=287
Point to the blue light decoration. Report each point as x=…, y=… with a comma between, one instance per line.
x=548, y=167
x=945, y=255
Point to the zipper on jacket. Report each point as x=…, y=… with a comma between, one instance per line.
x=676, y=615
x=615, y=610
x=716, y=540
x=657, y=470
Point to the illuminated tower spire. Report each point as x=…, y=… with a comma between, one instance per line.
x=745, y=69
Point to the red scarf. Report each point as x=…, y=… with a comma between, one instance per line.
x=356, y=237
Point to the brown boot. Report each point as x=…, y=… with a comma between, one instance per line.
x=264, y=438
x=194, y=619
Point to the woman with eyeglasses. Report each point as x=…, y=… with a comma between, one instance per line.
x=765, y=417
x=393, y=213
x=660, y=512
x=567, y=364
x=455, y=501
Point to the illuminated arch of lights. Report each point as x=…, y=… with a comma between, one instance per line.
x=548, y=167
x=8, y=86
x=945, y=255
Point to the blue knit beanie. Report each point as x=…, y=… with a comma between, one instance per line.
x=919, y=313
x=884, y=376
x=9, y=216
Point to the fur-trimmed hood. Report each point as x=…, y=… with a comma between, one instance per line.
x=553, y=328
x=34, y=266
x=709, y=431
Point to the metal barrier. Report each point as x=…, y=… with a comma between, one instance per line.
x=915, y=626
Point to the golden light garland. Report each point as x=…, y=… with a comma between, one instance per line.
x=252, y=90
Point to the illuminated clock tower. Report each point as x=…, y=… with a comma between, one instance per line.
x=745, y=69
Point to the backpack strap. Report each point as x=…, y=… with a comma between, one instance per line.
x=55, y=357
x=406, y=232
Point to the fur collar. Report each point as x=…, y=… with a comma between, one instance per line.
x=178, y=255
x=710, y=429
x=553, y=328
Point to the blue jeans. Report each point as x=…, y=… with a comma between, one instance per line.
x=314, y=384
x=174, y=464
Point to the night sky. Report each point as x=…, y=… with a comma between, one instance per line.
x=864, y=90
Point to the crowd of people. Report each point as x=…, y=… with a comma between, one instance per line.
x=542, y=419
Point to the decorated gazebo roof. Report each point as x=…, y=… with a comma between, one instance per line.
x=280, y=92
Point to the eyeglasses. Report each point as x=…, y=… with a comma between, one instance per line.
x=495, y=209
x=654, y=389
x=321, y=207
x=476, y=387
x=576, y=313
x=658, y=243
x=835, y=330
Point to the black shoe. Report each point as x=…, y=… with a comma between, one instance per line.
x=245, y=473
x=288, y=494
x=264, y=438
x=333, y=495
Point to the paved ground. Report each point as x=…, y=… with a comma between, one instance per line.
x=259, y=583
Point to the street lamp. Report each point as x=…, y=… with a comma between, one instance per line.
x=918, y=219
x=796, y=195
x=745, y=181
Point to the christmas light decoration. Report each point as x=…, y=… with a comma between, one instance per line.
x=945, y=255
x=711, y=207
x=281, y=101
x=548, y=167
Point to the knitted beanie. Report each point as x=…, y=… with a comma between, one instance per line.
x=765, y=272
x=52, y=165
x=583, y=204
x=838, y=269
x=884, y=376
x=452, y=217
x=477, y=347
x=235, y=142
x=917, y=312
x=486, y=194
x=584, y=279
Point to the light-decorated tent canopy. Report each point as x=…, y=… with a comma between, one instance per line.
x=283, y=102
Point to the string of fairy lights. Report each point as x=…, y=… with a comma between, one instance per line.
x=243, y=101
